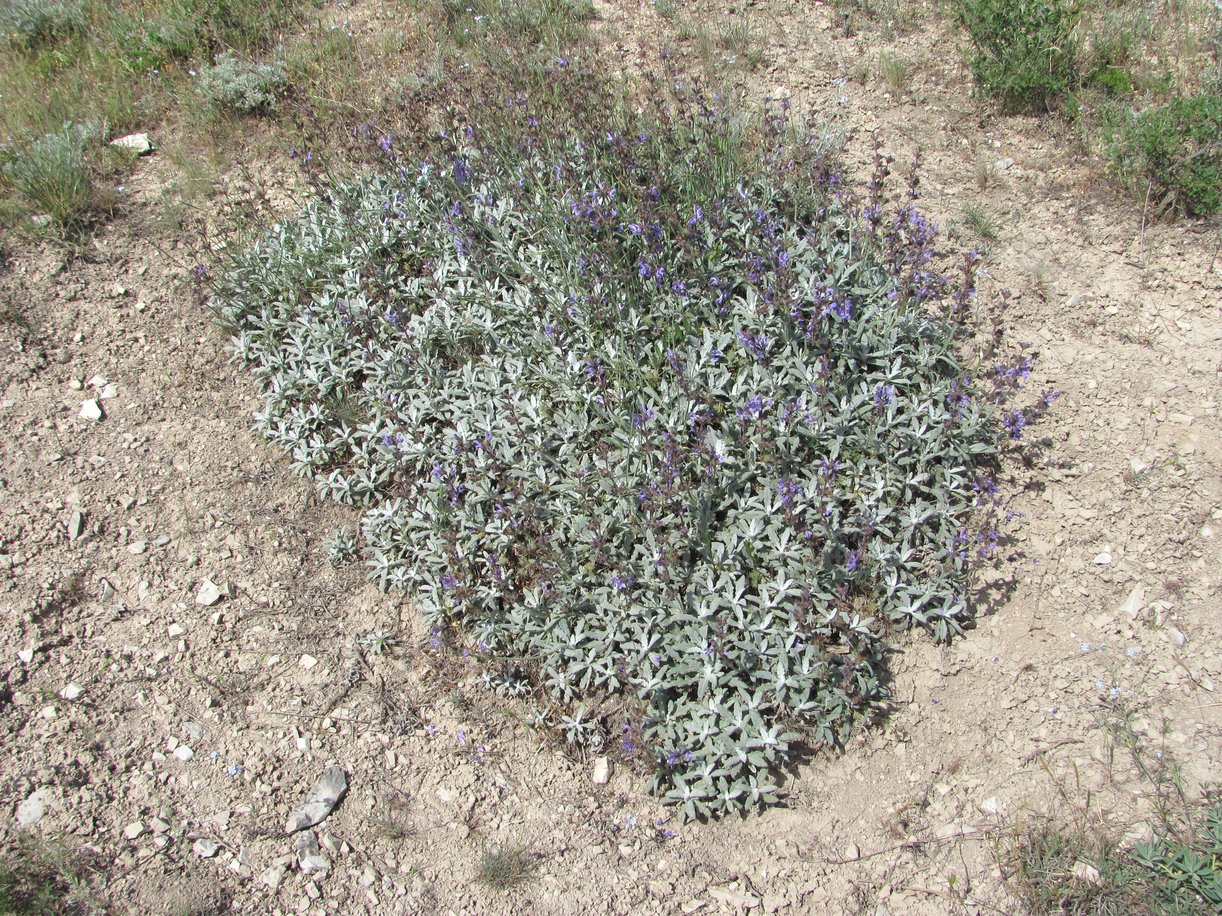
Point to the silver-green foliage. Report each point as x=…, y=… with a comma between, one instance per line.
x=697, y=453
x=241, y=86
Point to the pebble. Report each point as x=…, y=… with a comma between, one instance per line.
x=310, y=858
x=30, y=811
x=135, y=143
x=308, y=662
x=110, y=391
x=1177, y=637
x=137, y=547
x=272, y=877
x=1084, y=871
x=174, y=630
x=134, y=830
x=602, y=771
x=91, y=410
x=1103, y=559
x=75, y=526
x=1135, y=602
x=72, y=692
x=205, y=848
x=183, y=753
x=1002, y=164
x=851, y=852
x=330, y=842
x=209, y=593
x=25, y=655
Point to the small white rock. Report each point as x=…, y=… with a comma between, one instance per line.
x=30, y=811
x=91, y=410
x=205, y=848
x=72, y=692
x=990, y=805
x=137, y=547
x=272, y=877
x=1103, y=559
x=99, y=381
x=1002, y=164
x=108, y=392
x=602, y=771
x=138, y=144
x=134, y=831
x=209, y=593
x=308, y=662
x=25, y=655
x=183, y=753
x=174, y=630
x=1177, y=637
x=1084, y=871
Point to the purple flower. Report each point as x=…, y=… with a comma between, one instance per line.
x=853, y=561
x=755, y=343
x=1014, y=422
x=788, y=490
x=622, y=583
x=884, y=395
x=754, y=407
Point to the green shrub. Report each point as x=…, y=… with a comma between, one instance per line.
x=34, y=23
x=1174, y=150
x=1111, y=80
x=1023, y=51
x=242, y=86
x=648, y=424
x=50, y=174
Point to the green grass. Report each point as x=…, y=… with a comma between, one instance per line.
x=981, y=221
x=50, y=175
x=40, y=879
x=503, y=867
x=893, y=70
x=1078, y=869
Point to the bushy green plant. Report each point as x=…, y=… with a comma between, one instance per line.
x=1186, y=867
x=50, y=174
x=241, y=86
x=1023, y=51
x=38, y=22
x=637, y=416
x=1177, y=149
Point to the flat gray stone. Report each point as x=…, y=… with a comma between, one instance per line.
x=320, y=801
x=30, y=811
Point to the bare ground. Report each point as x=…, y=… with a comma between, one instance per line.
x=1098, y=626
